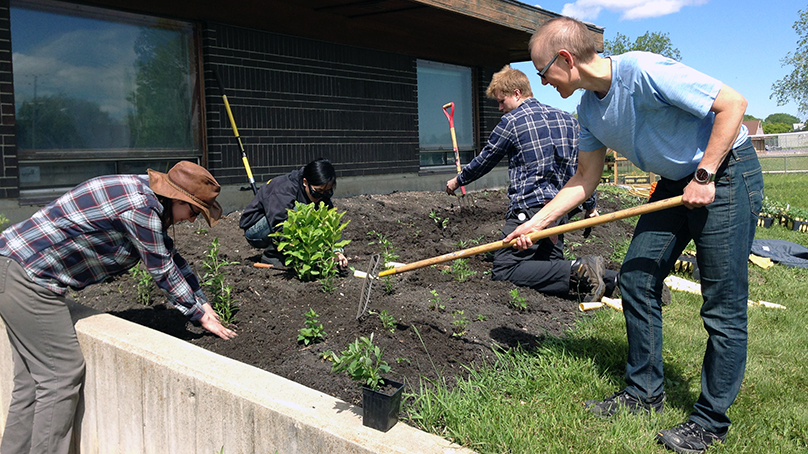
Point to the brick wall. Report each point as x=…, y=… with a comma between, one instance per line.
x=295, y=100
x=9, y=187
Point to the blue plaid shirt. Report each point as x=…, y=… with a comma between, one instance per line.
x=541, y=143
x=102, y=228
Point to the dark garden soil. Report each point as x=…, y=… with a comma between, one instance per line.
x=271, y=302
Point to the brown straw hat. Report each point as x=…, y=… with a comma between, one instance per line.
x=190, y=183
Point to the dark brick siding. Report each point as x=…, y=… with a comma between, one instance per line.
x=295, y=100
x=9, y=183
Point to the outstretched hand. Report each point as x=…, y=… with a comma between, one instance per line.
x=210, y=321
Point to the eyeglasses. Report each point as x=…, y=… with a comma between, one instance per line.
x=320, y=194
x=194, y=213
x=547, y=67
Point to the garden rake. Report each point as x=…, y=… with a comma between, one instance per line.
x=496, y=245
x=448, y=110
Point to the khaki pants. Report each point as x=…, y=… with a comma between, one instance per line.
x=48, y=365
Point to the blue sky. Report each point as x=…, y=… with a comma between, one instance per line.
x=739, y=42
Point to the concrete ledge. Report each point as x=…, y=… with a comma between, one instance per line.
x=147, y=392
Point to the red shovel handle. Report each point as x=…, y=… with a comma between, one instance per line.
x=448, y=110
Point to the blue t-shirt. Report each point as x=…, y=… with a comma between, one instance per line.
x=656, y=114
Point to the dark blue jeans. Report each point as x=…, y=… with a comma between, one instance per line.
x=722, y=232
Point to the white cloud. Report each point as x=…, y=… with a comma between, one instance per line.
x=629, y=9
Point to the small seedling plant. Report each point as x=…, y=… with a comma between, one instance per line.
x=460, y=269
x=313, y=331
x=441, y=222
x=308, y=239
x=144, y=284
x=362, y=361
x=214, y=282
x=517, y=301
x=387, y=255
x=434, y=301
x=388, y=321
x=459, y=323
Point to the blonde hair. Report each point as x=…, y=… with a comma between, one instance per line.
x=563, y=33
x=507, y=80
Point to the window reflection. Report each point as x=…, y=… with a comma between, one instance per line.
x=439, y=84
x=95, y=84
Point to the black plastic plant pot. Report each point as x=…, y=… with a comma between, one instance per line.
x=800, y=226
x=379, y=409
x=765, y=221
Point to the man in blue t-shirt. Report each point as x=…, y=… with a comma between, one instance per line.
x=686, y=127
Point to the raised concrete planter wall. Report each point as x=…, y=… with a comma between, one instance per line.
x=146, y=392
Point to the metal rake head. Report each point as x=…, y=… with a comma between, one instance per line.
x=367, y=286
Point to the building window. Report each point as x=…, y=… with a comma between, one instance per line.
x=98, y=91
x=439, y=84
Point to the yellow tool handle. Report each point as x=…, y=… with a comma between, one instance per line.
x=535, y=236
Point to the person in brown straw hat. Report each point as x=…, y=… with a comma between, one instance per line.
x=101, y=228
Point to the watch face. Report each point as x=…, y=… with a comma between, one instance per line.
x=702, y=175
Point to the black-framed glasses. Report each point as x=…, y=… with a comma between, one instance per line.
x=194, y=213
x=320, y=194
x=547, y=66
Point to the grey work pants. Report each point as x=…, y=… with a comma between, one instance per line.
x=48, y=365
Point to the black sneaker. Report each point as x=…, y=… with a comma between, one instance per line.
x=689, y=437
x=623, y=400
x=586, y=278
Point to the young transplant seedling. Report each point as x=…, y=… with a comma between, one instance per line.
x=313, y=332
x=362, y=361
x=213, y=281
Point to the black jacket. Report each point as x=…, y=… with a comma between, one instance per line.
x=274, y=198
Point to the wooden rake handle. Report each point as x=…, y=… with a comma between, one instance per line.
x=535, y=236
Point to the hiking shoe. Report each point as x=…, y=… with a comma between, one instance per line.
x=586, y=278
x=622, y=400
x=689, y=437
x=611, y=279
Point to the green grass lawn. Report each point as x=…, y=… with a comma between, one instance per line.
x=531, y=402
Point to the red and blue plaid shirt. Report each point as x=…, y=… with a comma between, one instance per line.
x=102, y=228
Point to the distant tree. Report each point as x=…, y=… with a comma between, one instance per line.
x=61, y=122
x=776, y=128
x=747, y=117
x=795, y=85
x=782, y=118
x=658, y=43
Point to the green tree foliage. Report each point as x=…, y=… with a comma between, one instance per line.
x=747, y=117
x=794, y=87
x=656, y=42
x=60, y=122
x=782, y=118
x=776, y=128
x=161, y=101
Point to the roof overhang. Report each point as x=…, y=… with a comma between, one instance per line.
x=470, y=33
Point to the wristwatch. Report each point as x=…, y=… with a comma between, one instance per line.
x=703, y=176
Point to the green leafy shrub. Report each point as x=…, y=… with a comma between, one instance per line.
x=313, y=332
x=362, y=361
x=308, y=239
